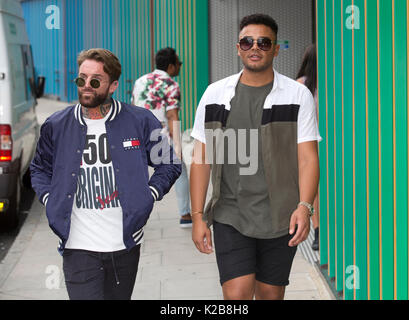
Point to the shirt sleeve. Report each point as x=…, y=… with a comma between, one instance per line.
x=173, y=97
x=198, y=131
x=307, y=119
x=140, y=93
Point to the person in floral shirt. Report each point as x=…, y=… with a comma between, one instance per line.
x=159, y=93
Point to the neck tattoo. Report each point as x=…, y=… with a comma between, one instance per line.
x=98, y=112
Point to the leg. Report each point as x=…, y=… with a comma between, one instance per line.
x=182, y=192
x=274, y=261
x=183, y=197
x=84, y=275
x=266, y=291
x=120, y=274
x=241, y=288
x=236, y=260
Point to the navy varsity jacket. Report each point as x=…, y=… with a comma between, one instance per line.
x=135, y=143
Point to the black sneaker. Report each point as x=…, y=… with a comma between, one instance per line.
x=316, y=243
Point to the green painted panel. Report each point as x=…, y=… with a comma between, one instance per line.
x=361, y=285
x=386, y=81
x=401, y=144
x=321, y=52
x=179, y=24
x=373, y=151
x=338, y=25
x=330, y=139
x=202, y=46
x=348, y=159
x=366, y=138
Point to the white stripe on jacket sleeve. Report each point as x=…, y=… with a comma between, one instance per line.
x=45, y=199
x=154, y=192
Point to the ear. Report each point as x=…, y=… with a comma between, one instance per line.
x=276, y=50
x=114, y=85
x=238, y=49
x=171, y=69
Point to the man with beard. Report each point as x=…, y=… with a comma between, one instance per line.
x=90, y=170
x=258, y=218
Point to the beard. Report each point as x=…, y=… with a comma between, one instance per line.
x=94, y=100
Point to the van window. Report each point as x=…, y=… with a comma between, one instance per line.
x=28, y=70
x=17, y=75
x=21, y=64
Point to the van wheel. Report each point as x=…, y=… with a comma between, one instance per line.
x=10, y=219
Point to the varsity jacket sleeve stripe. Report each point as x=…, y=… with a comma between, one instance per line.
x=42, y=163
x=155, y=193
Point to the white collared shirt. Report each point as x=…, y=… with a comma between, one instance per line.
x=285, y=91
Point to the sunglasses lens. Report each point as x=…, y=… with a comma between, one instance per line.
x=264, y=44
x=246, y=44
x=95, y=83
x=80, y=82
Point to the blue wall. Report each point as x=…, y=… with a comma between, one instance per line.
x=47, y=45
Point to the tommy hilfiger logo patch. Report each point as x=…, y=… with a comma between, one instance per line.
x=131, y=143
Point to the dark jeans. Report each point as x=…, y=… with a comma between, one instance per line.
x=99, y=275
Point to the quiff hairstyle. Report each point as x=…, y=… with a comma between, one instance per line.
x=112, y=66
x=259, y=18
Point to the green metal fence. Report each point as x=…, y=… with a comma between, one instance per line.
x=363, y=118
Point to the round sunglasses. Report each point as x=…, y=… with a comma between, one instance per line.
x=94, y=83
x=247, y=43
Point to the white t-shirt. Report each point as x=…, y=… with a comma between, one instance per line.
x=96, y=219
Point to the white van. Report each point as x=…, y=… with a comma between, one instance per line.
x=18, y=122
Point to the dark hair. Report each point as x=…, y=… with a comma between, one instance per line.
x=308, y=68
x=164, y=58
x=259, y=18
x=112, y=66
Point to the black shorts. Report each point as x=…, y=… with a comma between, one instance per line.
x=237, y=255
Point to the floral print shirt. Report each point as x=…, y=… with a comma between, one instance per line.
x=158, y=92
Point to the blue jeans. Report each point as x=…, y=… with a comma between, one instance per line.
x=183, y=192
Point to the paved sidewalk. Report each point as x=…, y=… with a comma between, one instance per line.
x=170, y=266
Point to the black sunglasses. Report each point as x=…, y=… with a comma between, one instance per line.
x=247, y=43
x=94, y=83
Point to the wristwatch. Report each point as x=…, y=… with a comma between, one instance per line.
x=309, y=207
